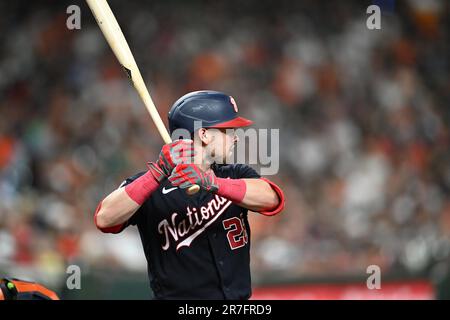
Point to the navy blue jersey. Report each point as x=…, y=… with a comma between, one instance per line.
x=197, y=247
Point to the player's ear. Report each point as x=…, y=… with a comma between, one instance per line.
x=203, y=135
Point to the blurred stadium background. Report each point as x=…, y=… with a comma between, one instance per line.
x=364, y=133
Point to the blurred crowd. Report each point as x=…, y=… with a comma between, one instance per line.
x=363, y=118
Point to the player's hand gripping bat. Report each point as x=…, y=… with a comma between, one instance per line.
x=116, y=40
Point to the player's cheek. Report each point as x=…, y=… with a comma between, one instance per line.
x=229, y=146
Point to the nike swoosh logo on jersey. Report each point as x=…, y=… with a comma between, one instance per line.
x=166, y=191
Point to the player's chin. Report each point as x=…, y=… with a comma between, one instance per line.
x=225, y=157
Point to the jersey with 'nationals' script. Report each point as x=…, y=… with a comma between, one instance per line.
x=197, y=247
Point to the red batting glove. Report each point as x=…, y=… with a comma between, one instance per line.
x=171, y=154
x=186, y=175
x=174, y=153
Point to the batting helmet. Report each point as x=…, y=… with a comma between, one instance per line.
x=214, y=109
x=16, y=289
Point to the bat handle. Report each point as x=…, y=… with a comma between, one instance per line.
x=193, y=189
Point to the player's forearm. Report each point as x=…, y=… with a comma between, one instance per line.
x=253, y=194
x=259, y=196
x=121, y=204
x=115, y=209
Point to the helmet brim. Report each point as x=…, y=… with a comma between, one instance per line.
x=237, y=122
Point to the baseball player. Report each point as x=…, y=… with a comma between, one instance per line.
x=197, y=246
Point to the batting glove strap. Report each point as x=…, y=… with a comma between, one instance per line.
x=156, y=171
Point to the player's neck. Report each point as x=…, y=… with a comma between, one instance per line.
x=204, y=159
x=205, y=165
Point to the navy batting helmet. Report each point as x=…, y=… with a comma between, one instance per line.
x=214, y=109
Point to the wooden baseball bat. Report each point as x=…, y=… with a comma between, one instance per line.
x=116, y=40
